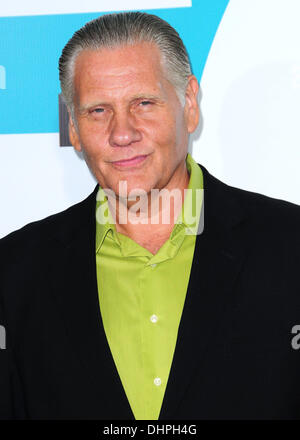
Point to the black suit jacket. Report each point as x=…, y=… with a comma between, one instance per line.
x=234, y=357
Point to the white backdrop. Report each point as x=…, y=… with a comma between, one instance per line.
x=251, y=99
x=250, y=106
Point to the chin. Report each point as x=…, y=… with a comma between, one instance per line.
x=136, y=191
x=132, y=187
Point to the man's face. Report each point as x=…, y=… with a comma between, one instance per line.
x=126, y=108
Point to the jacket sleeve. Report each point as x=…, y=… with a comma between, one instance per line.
x=6, y=371
x=11, y=394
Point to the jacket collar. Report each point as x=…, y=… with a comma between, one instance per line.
x=219, y=254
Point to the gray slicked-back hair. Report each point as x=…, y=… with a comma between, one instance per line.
x=114, y=30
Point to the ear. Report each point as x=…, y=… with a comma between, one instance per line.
x=73, y=135
x=191, y=108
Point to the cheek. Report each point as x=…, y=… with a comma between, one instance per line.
x=93, y=143
x=162, y=133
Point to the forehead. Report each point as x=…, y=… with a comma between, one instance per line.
x=113, y=70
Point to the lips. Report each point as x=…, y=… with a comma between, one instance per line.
x=136, y=160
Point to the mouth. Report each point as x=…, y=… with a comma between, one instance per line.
x=128, y=163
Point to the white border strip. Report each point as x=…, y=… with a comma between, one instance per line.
x=16, y=8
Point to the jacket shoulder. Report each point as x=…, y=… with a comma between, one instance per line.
x=265, y=208
x=261, y=199
x=261, y=209
x=41, y=232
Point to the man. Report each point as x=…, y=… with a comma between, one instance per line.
x=114, y=319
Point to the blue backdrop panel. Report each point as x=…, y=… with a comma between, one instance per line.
x=30, y=48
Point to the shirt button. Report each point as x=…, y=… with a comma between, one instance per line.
x=153, y=265
x=153, y=318
x=157, y=381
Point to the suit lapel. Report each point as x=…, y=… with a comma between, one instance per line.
x=218, y=257
x=76, y=295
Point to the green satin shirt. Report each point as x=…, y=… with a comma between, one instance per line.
x=141, y=298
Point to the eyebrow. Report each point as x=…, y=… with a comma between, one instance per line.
x=146, y=96
x=83, y=108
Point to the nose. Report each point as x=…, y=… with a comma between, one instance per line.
x=123, y=131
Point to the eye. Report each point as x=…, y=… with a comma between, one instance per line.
x=98, y=110
x=145, y=103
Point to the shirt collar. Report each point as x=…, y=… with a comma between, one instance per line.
x=188, y=218
x=183, y=225
x=104, y=220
